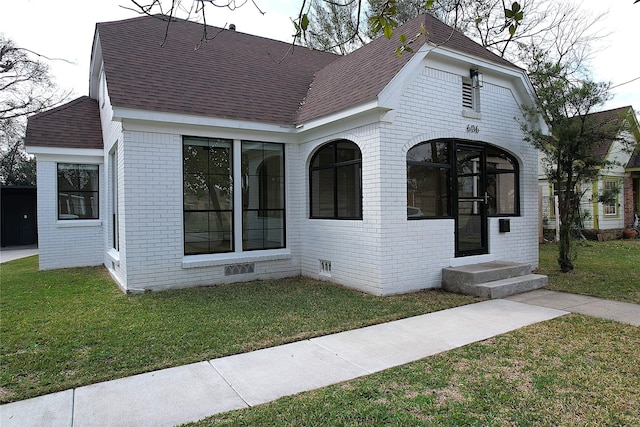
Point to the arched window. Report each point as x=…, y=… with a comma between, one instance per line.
x=437, y=181
x=335, y=181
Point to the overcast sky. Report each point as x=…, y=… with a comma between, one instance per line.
x=64, y=29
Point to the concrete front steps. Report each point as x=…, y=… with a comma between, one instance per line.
x=495, y=279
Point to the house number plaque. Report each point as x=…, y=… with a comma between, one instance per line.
x=473, y=129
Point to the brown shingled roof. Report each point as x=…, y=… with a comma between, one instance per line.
x=361, y=75
x=75, y=124
x=234, y=76
x=243, y=77
x=607, y=119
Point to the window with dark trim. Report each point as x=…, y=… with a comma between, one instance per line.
x=208, y=195
x=430, y=187
x=335, y=181
x=78, y=187
x=502, y=183
x=263, y=205
x=429, y=180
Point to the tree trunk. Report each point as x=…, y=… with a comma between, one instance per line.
x=565, y=258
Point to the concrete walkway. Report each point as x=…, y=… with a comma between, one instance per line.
x=9, y=253
x=192, y=392
x=591, y=306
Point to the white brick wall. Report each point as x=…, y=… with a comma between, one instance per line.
x=66, y=243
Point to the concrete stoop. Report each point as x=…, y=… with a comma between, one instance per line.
x=496, y=279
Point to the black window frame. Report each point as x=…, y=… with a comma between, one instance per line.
x=449, y=166
x=77, y=191
x=335, y=166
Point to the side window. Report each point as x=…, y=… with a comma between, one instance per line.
x=428, y=180
x=78, y=187
x=610, y=193
x=502, y=183
x=335, y=180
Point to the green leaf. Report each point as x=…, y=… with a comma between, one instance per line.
x=388, y=30
x=305, y=22
x=429, y=4
x=403, y=38
x=512, y=29
x=515, y=7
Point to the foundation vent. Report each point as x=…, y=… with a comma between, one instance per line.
x=232, y=270
x=325, y=268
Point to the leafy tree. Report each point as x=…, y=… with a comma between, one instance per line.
x=16, y=166
x=568, y=154
x=25, y=89
x=334, y=27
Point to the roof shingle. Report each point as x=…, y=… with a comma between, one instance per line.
x=75, y=124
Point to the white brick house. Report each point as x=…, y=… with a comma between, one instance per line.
x=222, y=164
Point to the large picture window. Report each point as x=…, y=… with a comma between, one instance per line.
x=208, y=195
x=263, y=213
x=428, y=180
x=335, y=180
x=78, y=187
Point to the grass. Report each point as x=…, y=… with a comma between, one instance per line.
x=572, y=370
x=608, y=269
x=66, y=328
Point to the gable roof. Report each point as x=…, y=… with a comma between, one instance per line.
x=75, y=124
x=361, y=75
x=234, y=76
x=614, y=118
x=244, y=77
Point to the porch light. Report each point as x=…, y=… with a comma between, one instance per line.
x=476, y=78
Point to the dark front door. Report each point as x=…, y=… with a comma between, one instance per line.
x=19, y=224
x=470, y=209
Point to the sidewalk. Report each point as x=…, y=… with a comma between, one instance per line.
x=9, y=253
x=192, y=392
x=188, y=393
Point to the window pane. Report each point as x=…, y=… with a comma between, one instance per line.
x=322, y=193
x=263, y=195
x=78, y=187
x=501, y=189
x=263, y=232
x=348, y=191
x=336, y=181
x=208, y=195
x=347, y=151
x=427, y=192
x=429, y=152
x=324, y=157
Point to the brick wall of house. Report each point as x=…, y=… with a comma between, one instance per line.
x=66, y=243
x=414, y=252
x=151, y=216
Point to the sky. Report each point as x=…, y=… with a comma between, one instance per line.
x=63, y=31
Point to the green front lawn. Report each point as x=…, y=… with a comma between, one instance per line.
x=66, y=328
x=603, y=269
x=570, y=371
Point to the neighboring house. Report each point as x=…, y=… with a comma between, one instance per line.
x=236, y=161
x=611, y=217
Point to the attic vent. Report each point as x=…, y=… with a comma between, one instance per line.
x=232, y=27
x=467, y=94
x=232, y=270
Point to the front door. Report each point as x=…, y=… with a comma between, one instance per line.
x=470, y=209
